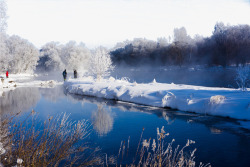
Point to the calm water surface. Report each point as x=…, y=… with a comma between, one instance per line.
x=222, y=142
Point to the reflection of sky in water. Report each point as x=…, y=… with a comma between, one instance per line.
x=219, y=141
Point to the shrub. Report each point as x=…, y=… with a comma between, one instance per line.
x=156, y=154
x=243, y=77
x=58, y=143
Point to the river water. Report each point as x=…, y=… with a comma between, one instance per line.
x=219, y=141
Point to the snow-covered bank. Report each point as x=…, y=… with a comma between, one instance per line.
x=23, y=80
x=206, y=100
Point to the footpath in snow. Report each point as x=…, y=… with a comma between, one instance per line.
x=224, y=102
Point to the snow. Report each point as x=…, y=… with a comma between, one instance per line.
x=226, y=102
x=23, y=80
x=2, y=150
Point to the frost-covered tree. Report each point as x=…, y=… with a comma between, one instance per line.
x=75, y=56
x=219, y=28
x=55, y=56
x=4, y=57
x=23, y=55
x=17, y=55
x=100, y=63
x=180, y=35
x=4, y=53
x=50, y=59
x=228, y=45
x=162, y=42
x=3, y=16
x=180, y=50
x=121, y=44
x=142, y=45
x=243, y=77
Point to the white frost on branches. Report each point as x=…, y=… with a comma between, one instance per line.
x=51, y=53
x=4, y=53
x=17, y=55
x=71, y=56
x=3, y=16
x=75, y=56
x=243, y=77
x=23, y=55
x=100, y=63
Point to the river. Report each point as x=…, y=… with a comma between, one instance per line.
x=219, y=141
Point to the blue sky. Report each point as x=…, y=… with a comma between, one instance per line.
x=106, y=22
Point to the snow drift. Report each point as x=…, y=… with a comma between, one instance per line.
x=224, y=102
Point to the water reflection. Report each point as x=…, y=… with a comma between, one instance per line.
x=102, y=120
x=216, y=125
x=52, y=94
x=215, y=130
x=169, y=118
x=115, y=121
x=21, y=99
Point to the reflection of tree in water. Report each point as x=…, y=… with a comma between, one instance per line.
x=169, y=118
x=52, y=94
x=170, y=115
x=102, y=120
x=12, y=102
x=215, y=130
x=21, y=99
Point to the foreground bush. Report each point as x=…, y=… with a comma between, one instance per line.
x=60, y=142
x=57, y=143
x=157, y=153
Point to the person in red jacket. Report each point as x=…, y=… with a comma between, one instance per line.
x=7, y=74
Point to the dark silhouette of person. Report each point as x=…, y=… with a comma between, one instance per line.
x=75, y=74
x=64, y=74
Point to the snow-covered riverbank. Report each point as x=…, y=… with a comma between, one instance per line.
x=224, y=102
x=23, y=80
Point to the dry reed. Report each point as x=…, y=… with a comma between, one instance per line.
x=156, y=155
x=60, y=142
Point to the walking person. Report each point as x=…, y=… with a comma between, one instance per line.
x=75, y=74
x=64, y=74
x=7, y=74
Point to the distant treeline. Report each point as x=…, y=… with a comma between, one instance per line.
x=228, y=45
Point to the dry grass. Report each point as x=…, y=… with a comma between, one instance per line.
x=59, y=143
x=157, y=153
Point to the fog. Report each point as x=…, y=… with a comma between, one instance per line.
x=191, y=75
x=196, y=75
x=209, y=61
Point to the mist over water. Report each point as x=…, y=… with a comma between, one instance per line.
x=200, y=76
x=196, y=75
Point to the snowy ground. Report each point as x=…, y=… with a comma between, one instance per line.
x=23, y=80
x=224, y=102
